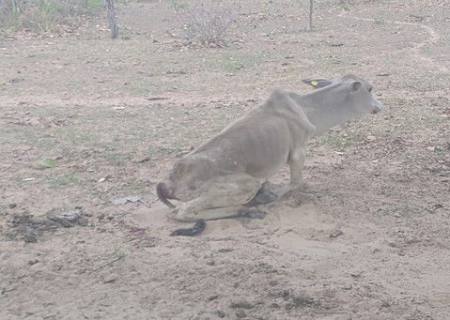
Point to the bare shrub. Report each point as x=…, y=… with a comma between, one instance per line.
x=207, y=24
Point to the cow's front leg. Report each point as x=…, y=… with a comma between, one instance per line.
x=296, y=164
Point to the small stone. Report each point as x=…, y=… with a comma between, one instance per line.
x=347, y=287
x=33, y=262
x=142, y=160
x=371, y=138
x=285, y=294
x=385, y=304
x=241, y=314
x=110, y=278
x=103, y=179
x=214, y=297
x=356, y=274
x=12, y=205
x=221, y=314
x=336, y=233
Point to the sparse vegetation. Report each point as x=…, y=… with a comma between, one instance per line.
x=64, y=180
x=338, y=142
x=178, y=5
x=45, y=15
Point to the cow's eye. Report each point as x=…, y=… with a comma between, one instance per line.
x=370, y=89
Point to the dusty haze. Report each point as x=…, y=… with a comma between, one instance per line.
x=86, y=121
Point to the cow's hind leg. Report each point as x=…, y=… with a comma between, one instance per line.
x=223, y=197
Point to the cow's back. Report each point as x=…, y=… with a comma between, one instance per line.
x=257, y=144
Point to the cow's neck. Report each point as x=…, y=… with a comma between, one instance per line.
x=325, y=108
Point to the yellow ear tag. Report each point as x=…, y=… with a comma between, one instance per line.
x=314, y=83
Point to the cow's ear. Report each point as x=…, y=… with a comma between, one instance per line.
x=356, y=85
x=317, y=83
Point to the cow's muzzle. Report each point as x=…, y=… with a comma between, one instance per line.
x=164, y=193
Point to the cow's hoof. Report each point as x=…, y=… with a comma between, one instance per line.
x=263, y=196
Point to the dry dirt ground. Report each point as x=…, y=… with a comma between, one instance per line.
x=86, y=121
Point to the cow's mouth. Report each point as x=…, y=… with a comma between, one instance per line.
x=376, y=110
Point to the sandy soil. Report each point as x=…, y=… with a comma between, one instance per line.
x=86, y=121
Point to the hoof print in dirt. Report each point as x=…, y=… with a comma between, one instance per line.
x=29, y=228
x=198, y=228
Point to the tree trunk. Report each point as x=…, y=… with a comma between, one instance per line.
x=310, y=25
x=15, y=8
x=111, y=14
